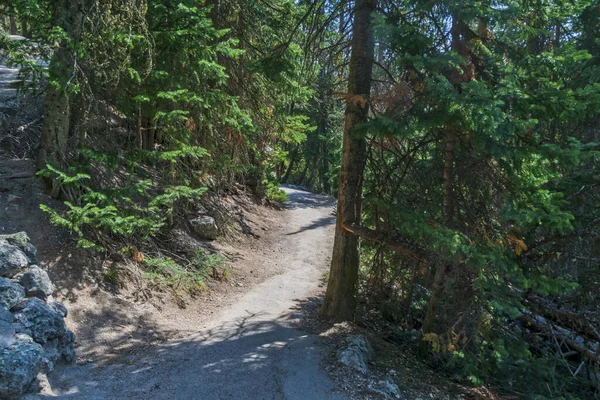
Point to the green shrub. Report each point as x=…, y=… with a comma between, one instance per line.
x=271, y=191
x=112, y=275
x=191, y=278
x=168, y=273
x=138, y=209
x=202, y=262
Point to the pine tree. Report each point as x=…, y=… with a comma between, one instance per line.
x=340, y=299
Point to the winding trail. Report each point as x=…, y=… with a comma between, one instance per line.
x=252, y=350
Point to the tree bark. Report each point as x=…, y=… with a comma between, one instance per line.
x=322, y=129
x=139, y=129
x=57, y=110
x=55, y=133
x=340, y=299
x=13, y=22
x=434, y=301
x=441, y=269
x=304, y=171
x=457, y=76
x=325, y=173
x=288, y=172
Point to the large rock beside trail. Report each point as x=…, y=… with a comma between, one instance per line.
x=33, y=334
x=205, y=227
x=57, y=350
x=22, y=241
x=386, y=389
x=7, y=330
x=12, y=260
x=19, y=366
x=36, y=283
x=45, y=324
x=356, y=353
x=10, y=293
x=5, y=315
x=38, y=320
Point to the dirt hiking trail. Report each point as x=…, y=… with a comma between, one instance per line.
x=252, y=350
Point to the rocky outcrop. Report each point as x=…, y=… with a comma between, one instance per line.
x=386, y=389
x=205, y=227
x=19, y=366
x=38, y=320
x=33, y=334
x=22, y=241
x=10, y=293
x=356, y=353
x=36, y=283
x=12, y=260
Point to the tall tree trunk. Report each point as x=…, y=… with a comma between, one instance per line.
x=57, y=112
x=150, y=135
x=24, y=31
x=448, y=202
x=139, y=129
x=340, y=299
x=342, y=26
x=304, y=171
x=290, y=167
x=322, y=130
x=55, y=133
x=325, y=174
x=13, y=22
x=457, y=77
x=408, y=296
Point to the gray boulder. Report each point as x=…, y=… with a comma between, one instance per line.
x=7, y=330
x=12, y=260
x=33, y=334
x=19, y=366
x=38, y=320
x=22, y=241
x=386, y=389
x=10, y=293
x=5, y=315
x=66, y=347
x=205, y=227
x=7, y=334
x=356, y=353
x=58, y=350
x=36, y=283
x=59, y=308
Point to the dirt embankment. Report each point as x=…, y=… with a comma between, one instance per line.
x=110, y=319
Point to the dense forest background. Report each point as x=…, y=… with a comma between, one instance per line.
x=461, y=139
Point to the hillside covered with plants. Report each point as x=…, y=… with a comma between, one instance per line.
x=460, y=138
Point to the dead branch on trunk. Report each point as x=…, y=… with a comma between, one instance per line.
x=398, y=244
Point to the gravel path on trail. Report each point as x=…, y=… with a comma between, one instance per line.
x=8, y=76
x=252, y=350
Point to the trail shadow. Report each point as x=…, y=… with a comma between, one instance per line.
x=112, y=336
x=248, y=358
x=321, y=222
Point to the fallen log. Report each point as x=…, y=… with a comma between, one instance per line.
x=586, y=348
x=572, y=320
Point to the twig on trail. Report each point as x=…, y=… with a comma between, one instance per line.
x=21, y=175
x=22, y=128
